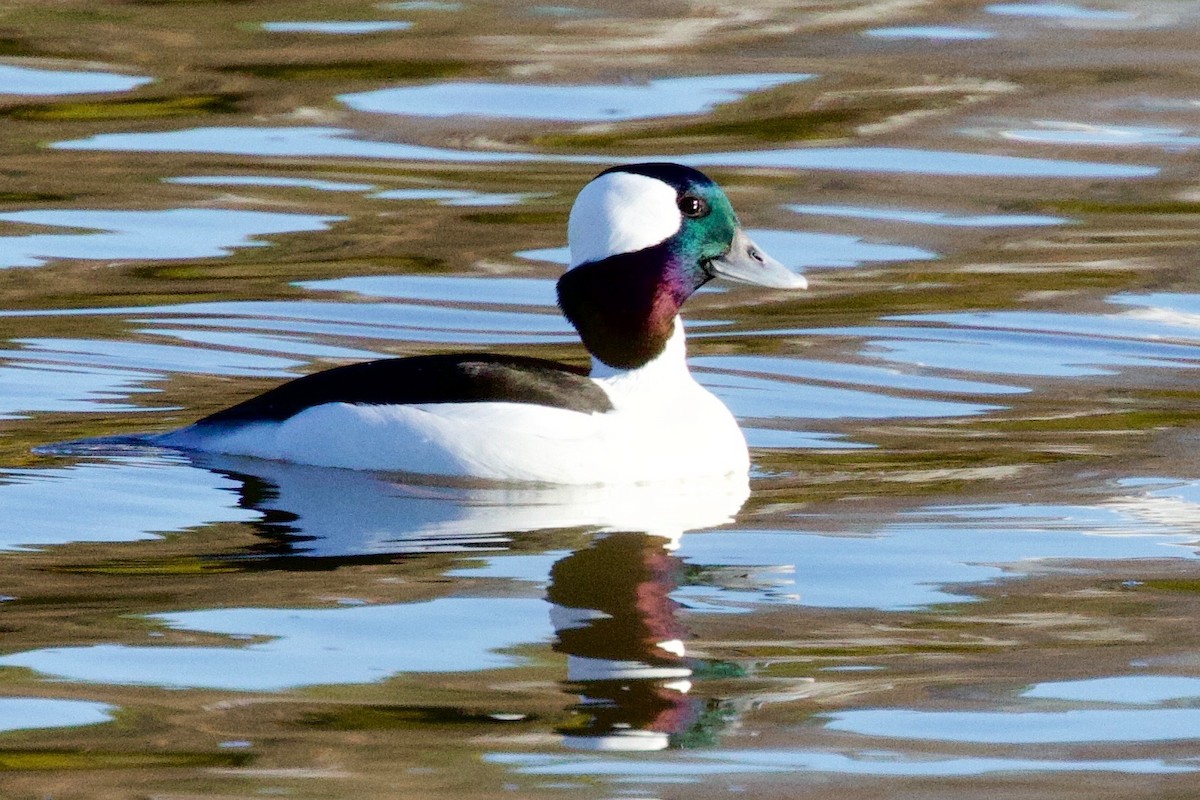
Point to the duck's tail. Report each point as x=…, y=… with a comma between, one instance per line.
x=138, y=444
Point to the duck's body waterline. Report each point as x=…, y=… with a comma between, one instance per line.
x=643, y=238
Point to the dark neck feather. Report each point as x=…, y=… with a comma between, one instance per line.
x=624, y=306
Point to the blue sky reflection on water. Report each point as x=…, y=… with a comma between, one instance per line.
x=119, y=500
x=384, y=320
x=310, y=647
x=31, y=713
x=454, y=197
x=762, y=397
x=39, y=387
x=935, y=33
x=595, y=103
x=866, y=376
x=33, y=81
x=1024, y=727
x=796, y=249
x=976, y=430
x=172, y=233
x=336, y=27
x=1159, y=331
x=300, y=142
x=151, y=359
x=1120, y=689
x=930, y=217
x=1058, y=11
x=270, y=180
x=1100, y=135
x=909, y=563
x=489, y=290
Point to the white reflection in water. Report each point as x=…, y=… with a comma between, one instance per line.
x=30, y=713
x=598, y=103
x=120, y=500
x=1087, y=133
x=333, y=512
x=329, y=513
x=344, y=28
x=1174, y=315
x=308, y=647
x=1167, y=503
x=302, y=142
x=169, y=234
x=31, y=81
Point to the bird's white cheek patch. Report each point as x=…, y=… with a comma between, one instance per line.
x=621, y=213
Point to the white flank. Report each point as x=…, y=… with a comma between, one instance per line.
x=664, y=426
x=620, y=212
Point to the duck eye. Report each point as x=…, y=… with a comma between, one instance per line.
x=692, y=206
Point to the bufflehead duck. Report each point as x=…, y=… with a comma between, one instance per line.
x=643, y=238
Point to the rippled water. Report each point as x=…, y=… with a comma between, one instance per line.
x=967, y=565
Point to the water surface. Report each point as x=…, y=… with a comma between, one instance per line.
x=965, y=562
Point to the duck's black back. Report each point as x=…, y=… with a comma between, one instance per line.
x=456, y=378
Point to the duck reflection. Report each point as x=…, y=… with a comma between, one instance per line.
x=617, y=625
x=610, y=601
x=319, y=512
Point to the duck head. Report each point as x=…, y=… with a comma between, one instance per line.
x=643, y=238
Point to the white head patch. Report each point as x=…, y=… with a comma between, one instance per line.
x=620, y=212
